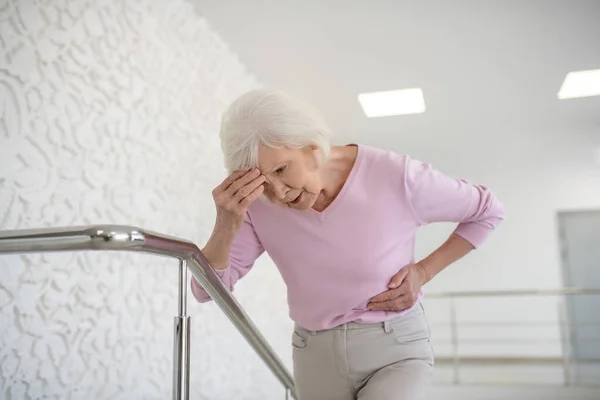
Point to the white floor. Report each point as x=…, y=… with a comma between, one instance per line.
x=515, y=382
x=488, y=392
x=550, y=374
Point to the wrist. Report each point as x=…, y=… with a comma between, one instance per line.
x=423, y=273
x=223, y=233
x=216, y=251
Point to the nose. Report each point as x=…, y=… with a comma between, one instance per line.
x=280, y=190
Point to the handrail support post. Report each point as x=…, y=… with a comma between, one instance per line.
x=181, y=340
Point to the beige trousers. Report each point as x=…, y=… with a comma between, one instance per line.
x=391, y=360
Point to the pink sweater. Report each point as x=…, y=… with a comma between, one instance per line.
x=334, y=261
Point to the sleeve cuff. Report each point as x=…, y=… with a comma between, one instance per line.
x=222, y=272
x=473, y=233
x=199, y=292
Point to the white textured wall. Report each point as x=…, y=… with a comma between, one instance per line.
x=109, y=113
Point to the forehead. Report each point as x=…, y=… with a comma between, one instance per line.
x=269, y=158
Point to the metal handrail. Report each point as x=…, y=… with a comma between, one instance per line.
x=513, y=292
x=128, y=238
x=455, y=359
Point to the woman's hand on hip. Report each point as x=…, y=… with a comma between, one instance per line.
x=403, y=290
x=234, y=195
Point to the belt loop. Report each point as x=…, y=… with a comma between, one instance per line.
x=387, y=328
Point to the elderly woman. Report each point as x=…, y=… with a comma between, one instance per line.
x=340, y=224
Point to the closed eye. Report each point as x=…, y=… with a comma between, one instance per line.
x=281, y=170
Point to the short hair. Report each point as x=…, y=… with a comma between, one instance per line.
x=271, y=118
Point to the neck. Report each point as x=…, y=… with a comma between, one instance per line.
x=334, y=174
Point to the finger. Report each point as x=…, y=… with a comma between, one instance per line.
x=398, y=278
x=230, y=179
x=387, y=295
x=249, y=188
x=390, y=305
x=241, y=182
x=246, y=201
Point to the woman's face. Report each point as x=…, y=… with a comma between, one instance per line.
x=292, y=175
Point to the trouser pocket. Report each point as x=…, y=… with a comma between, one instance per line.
x=300, y=340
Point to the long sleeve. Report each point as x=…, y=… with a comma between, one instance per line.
x=246, y=248
x=435, y=197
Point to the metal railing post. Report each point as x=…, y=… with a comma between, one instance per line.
x=181, y=340
x=566, y=336
x=454, y=340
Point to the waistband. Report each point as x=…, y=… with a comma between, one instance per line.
x=386, y=325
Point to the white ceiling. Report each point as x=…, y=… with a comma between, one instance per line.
x=486, y=67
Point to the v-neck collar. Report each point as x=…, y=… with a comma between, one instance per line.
x=330, y=209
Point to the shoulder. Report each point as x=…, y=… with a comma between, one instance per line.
x=388, y=167
x=383, y=161
x=383, y=171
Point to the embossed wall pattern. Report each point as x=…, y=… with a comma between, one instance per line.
x=109, y=113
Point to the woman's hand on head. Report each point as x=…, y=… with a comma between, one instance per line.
x=403, y=290
x=234, y=195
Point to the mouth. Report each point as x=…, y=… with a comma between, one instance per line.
x=296, y=200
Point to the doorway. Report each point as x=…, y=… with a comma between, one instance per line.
x=579, y=233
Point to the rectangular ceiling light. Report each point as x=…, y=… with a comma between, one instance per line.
x=580, y=84
x=393, y=102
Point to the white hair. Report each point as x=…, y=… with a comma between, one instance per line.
x=273, y=119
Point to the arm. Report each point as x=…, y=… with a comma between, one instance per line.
x=231, y=259
x=434, y=197
x=452, y=250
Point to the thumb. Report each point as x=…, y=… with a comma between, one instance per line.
x=398, y=278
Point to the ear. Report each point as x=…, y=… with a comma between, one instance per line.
x=316, y=154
